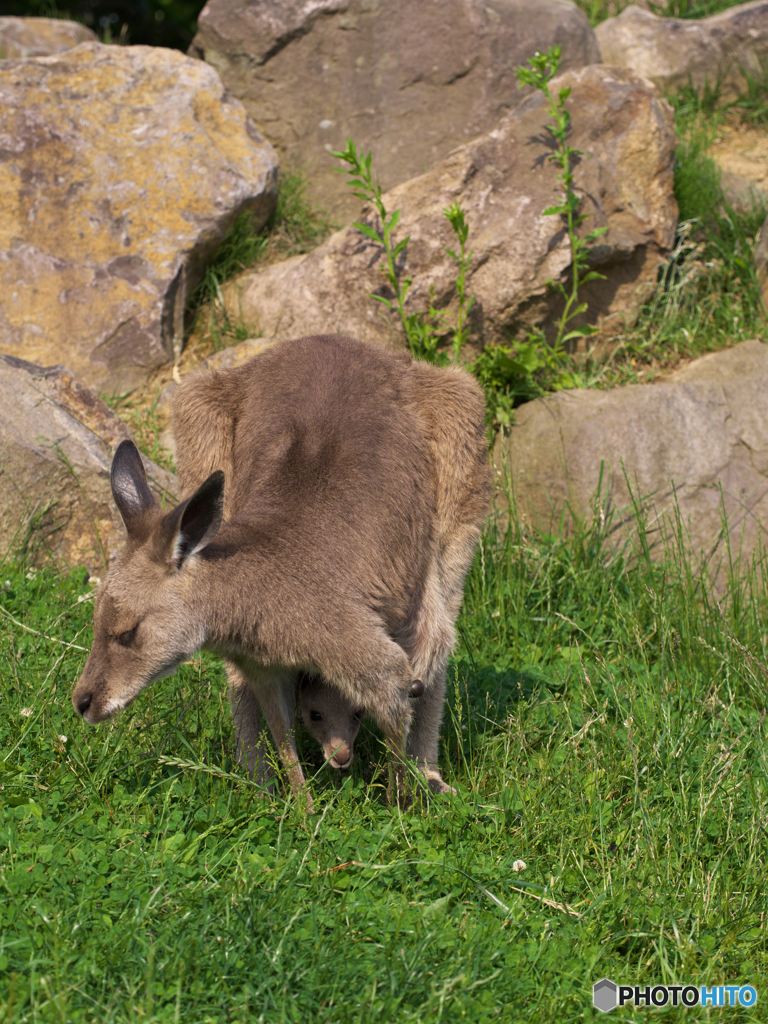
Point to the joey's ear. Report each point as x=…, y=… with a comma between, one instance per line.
x=195, y=522
x=129, y=485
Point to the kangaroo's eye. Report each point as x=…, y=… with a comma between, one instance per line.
x=315, y=716
x=126, y=639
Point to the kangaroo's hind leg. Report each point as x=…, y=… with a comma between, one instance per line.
x=429, y=640
x=430, y=643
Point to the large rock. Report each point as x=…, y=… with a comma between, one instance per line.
x=56, y=444
x=674, y=51
x=40, y=37
x=680, y=445
x=503, y=181
x=122, y=168
x=407, y=79
x=741, y=154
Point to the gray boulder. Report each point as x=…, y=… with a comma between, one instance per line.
x=40, y=37
x=123, y=168
x=408, y=79
x=675, y=51
x=504, y=182
x=697, y=441
x=56, y=444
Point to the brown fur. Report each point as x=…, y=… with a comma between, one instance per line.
x=452, y=408
x=356, y=484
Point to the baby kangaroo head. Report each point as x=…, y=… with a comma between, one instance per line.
x=330, y=719
x=145, y=621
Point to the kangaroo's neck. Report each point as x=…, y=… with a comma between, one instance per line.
x=231, y=591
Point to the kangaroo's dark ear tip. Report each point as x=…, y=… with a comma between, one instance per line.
x=126, y=455
x=213, y=486
x=126, y=449
x=130, y=489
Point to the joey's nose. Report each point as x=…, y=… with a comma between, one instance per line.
x=342, y=757
x=84, y=703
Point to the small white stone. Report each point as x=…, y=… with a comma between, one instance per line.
x=324, y=124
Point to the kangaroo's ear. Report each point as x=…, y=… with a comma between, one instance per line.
x=195, y=522
x=129, y=485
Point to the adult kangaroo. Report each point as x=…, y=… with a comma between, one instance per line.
x=338, y=492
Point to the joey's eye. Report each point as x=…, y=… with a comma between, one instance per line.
x=126, y=639
x=315, y=716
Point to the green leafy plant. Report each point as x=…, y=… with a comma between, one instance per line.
x=509, y=374
x=752, y=101
x=525, y=370
x=707, y=296
x=421, y=334
x=543, y=68
x=145, y=423
x=457, y=220
x=690, y=9
x=517, y=373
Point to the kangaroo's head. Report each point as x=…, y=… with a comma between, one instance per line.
x=330, y=719
x=144, y=622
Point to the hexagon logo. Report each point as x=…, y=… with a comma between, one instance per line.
x=604, y=995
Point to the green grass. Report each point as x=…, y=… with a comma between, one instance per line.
x=606, y=725
x=599, y=10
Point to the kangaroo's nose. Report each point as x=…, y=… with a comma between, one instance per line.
x=84, y=703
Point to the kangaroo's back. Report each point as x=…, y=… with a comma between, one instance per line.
x=324, y=452
x=295, y=409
